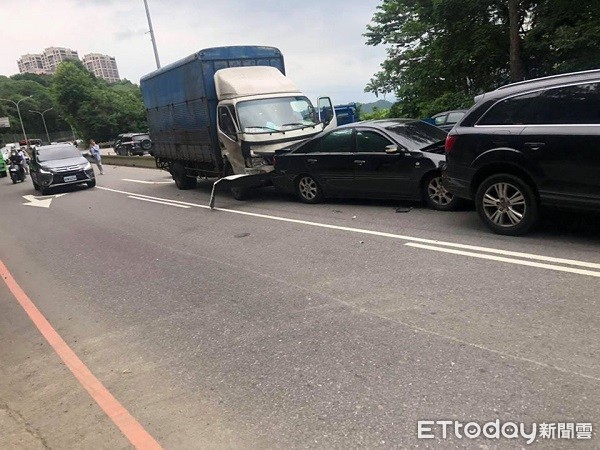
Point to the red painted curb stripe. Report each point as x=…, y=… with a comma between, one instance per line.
x=131, y=428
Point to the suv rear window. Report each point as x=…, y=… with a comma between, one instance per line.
x=519, y=110
x=578, y=104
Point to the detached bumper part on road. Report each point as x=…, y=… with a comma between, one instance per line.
x=241, y=182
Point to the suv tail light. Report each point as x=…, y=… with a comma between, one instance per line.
x=450, y=141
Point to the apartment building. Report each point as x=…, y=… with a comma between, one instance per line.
x=103, y=66
x=53, y=56
x=31, y=63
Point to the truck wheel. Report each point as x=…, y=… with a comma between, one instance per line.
x=182, y=181
x=507, y=204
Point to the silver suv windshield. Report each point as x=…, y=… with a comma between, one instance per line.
x=276, y=114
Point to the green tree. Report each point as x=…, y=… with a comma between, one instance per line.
x=16, y=88
x=94, y=108
x=375, y=114
x=563, y=37
x=443, y=52
x=436, y=50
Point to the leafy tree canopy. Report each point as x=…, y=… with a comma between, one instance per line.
x=71, y=97
x=441, y=53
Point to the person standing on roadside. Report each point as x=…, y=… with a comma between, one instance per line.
x=95, y=152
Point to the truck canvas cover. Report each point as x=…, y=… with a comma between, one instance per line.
x=246, y=81
x=181, y=102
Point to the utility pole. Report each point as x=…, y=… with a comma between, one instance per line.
x=152, y=34
x=19, y=113
x=44, y=120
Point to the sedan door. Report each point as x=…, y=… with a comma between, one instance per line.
x=382, y=168
x=330, y=160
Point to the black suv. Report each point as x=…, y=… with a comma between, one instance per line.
x=527, y=145
x=128, y=144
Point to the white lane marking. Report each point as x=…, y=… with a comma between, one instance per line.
x=590, y=273
x=40, y=202
x=570, y=262
x=146, y=182
x=157, y=201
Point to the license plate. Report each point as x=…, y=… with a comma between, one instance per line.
x=70, y=178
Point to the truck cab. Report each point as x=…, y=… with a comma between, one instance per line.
x=261, y=111
x=225, y=111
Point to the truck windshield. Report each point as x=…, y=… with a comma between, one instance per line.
x=276, y=114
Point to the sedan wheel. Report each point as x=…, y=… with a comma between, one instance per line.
x=308, y=190
x=436, y=195
x=507, y=205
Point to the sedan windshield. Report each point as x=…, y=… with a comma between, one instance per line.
x=416, y=135
x=54, y=153
x=276, y=114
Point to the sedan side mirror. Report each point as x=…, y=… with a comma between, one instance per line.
x=391, y=149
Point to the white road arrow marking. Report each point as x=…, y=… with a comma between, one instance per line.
x=40, y=202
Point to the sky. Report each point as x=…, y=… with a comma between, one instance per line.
x=321, y=40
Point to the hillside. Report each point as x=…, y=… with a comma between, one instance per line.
x=379, y=104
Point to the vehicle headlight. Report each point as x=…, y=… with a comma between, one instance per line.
x=88, y=166
x=45, y=171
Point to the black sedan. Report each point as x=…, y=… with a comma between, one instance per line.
x=393, y=158
x=59, y=165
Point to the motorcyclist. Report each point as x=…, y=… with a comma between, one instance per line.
x=14, y=157
x=24, y=156
x=17, y=159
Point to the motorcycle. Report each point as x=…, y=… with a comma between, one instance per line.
x=17, y=173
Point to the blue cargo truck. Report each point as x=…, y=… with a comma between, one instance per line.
x=225, y=111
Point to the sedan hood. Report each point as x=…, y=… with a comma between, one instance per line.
x=60, y=163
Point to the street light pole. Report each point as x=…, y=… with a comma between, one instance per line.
x=152, y=35
x=44, y=120
x=19, y=113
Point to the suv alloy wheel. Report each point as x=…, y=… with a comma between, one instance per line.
x=506, y=204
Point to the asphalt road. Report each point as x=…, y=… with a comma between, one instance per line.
x=273, y=324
